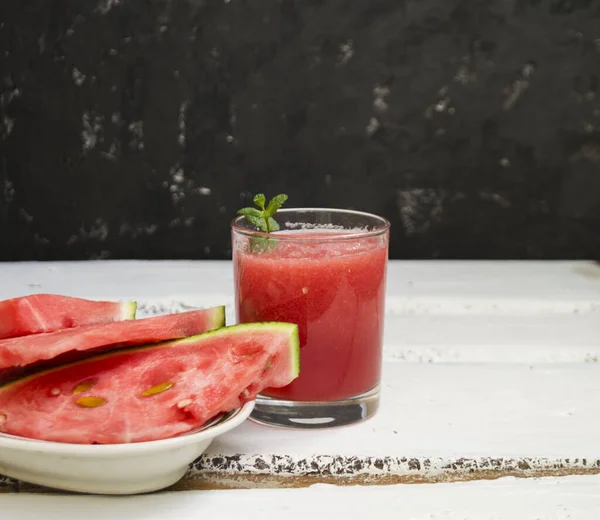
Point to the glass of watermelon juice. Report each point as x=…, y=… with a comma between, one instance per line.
x=324, y=270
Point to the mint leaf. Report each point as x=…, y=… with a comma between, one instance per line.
x=254, y=216
x=259, y=222
x=275, y=203
x=260, y=200
x=253, y=212
x=263, y=218
x=273, y=225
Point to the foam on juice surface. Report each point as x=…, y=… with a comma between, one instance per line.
x=322, y=242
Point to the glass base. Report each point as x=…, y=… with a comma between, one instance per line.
x=315, y=414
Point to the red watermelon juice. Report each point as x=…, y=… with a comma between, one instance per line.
x=330, y=281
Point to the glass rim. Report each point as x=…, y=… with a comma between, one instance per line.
x=383, y=223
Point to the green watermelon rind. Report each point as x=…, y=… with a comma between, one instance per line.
x=128, y=310
x=217, y=318
x=220, y=316
x=294, y=345
x=294, y=341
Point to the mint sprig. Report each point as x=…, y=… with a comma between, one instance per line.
x=262, y=218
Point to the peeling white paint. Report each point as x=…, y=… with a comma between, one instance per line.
x=514, y=93
x=465, y=76
x=419, y=208
x=178, y=176
x=112, y=153
x=97, y=231
x=518, y=86
x=104, y=6
x=136, y=129
x=380, y=93
x=129, y=230
x=528, y=70
x=442, y=105
x=182, y=122
x=495, y=197
x=176, y=187
x=372, y=126
x=7, y=126
x=7, y=97
x=25, y=216
x=91, y=132
x=426, y=467
x=78, y=77
x=40, y=240
x=346, y=51
x=9, y=191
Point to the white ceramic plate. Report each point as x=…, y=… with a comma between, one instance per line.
x=115, y=469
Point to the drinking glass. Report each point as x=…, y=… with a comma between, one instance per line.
x=324, y=270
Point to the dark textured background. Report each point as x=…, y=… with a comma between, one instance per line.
x=132, y=128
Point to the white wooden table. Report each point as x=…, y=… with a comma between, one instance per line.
x=490, y=371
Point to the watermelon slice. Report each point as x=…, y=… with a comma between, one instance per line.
x=150, y=393
x=74, y=344
x=48, y=312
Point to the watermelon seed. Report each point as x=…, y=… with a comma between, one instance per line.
x=90, y=402
x=184, y=403
x=55, y=391
x=2, y=418
x=157, y=389
x=245, y=393
x=268, y=364
x=83, y=387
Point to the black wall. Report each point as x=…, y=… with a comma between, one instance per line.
x=136, y=128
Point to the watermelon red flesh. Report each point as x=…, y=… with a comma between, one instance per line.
x=210, y=373
x=26, y=350
x=48, y=312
